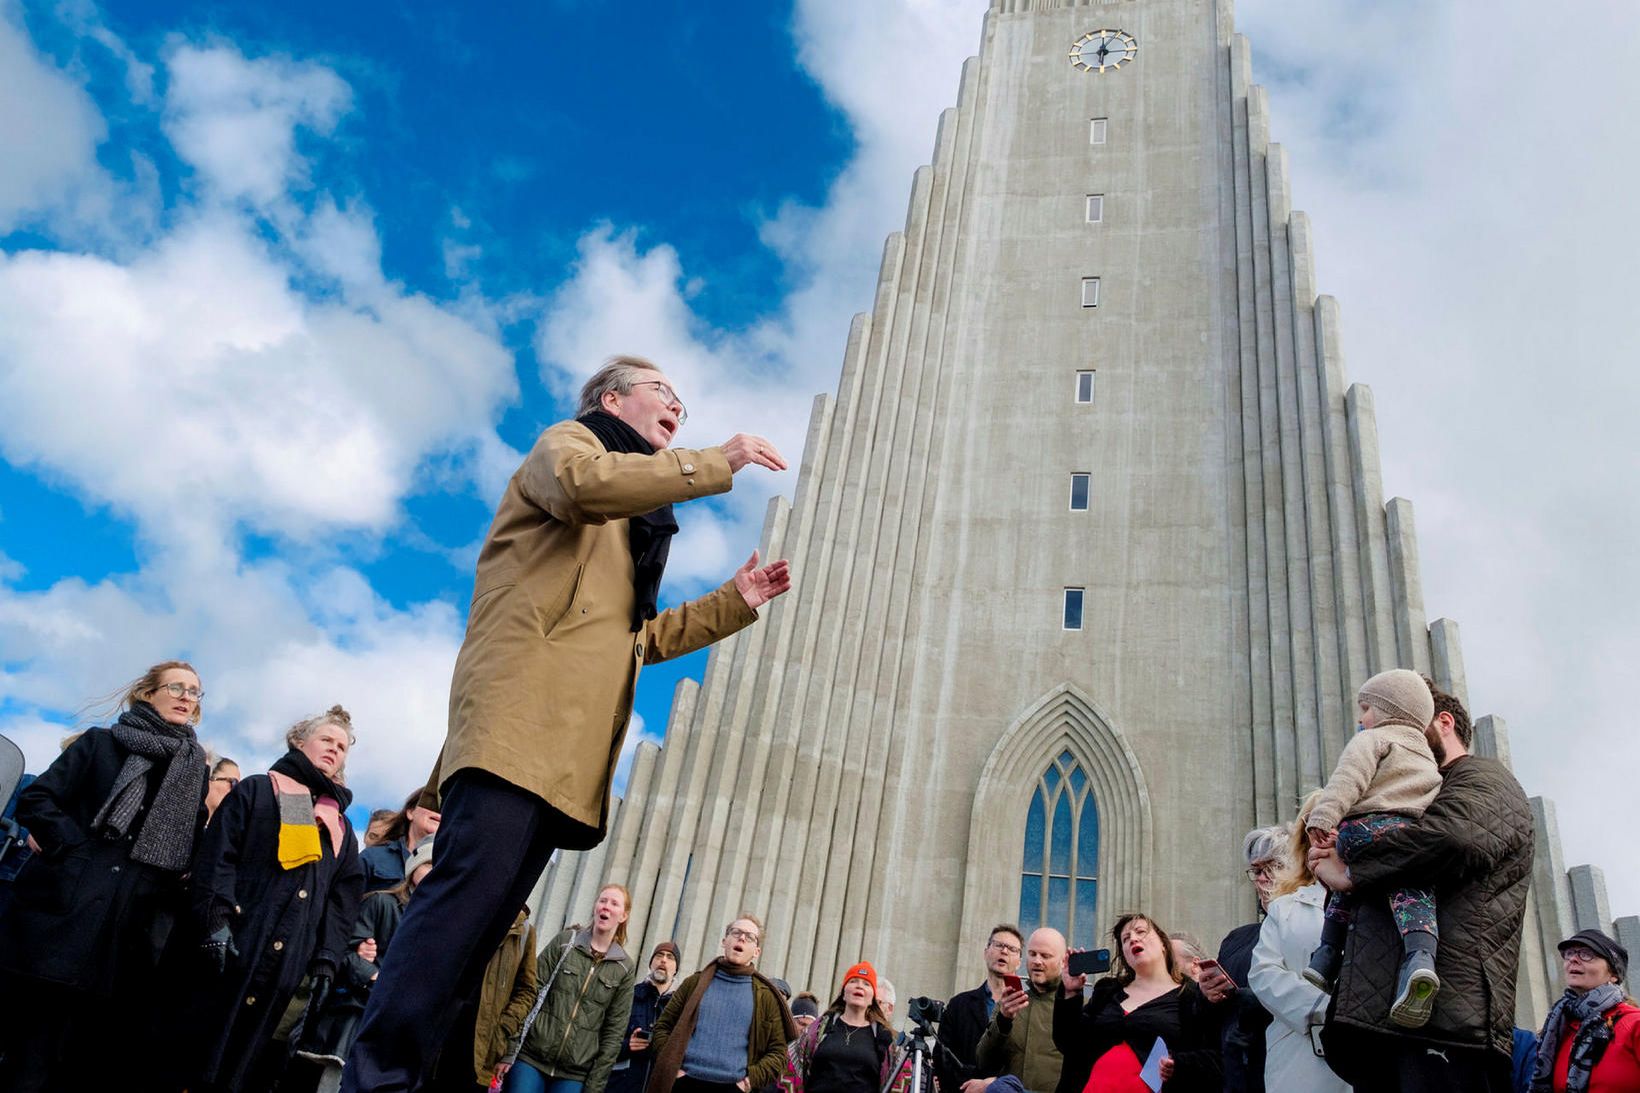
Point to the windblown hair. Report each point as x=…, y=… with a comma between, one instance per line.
x=1295, y=866
x=107, y=707
x=1121, y=970
x=1264, y=843
x=618, y=374
x=298, y=733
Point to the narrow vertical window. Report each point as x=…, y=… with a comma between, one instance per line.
x=1096, y=208
x=1084, y=386
x=1081, y=484
x=1096, y=131
x=1090, y=292
x=1073, y=608
x=1059, y=880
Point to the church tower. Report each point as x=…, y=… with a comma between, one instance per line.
x=1090, y=546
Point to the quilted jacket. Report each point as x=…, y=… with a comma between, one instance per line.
x=1473, y=846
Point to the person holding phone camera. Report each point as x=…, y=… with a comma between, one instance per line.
x=1019, y=1039
x=649, y=998
x=1146, y=998
x=968, y=1014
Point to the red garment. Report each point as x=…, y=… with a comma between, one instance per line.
x=1116, y=1071
x=1618, y=1070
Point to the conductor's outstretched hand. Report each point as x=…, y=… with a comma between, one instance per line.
x=759, y=586
x=744, y=449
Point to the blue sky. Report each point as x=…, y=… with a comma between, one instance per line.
x=286, y=290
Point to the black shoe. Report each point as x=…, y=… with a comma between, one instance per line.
x=1415, y=995
x=1325, y=964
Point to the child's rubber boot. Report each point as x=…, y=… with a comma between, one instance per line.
x=1416, y=989
x=1325, y=963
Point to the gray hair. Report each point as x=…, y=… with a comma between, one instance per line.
x=618, y=374
x=1266, y=843
x=298, y=733
x=885, y=992
x=1192, y=947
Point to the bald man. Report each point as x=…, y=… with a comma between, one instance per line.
x=1019, y=1040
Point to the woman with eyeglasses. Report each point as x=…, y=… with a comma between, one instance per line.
x=1291, y=931
x=224, y=776
x=113, y=822
x=1590, y=1041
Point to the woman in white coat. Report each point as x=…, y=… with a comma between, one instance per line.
x=1291, y=931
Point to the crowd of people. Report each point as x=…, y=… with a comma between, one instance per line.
x=180, y=925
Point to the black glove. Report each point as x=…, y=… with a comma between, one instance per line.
x=318, y=992
x=217, y=947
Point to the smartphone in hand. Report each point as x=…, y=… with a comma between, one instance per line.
x=1013, y=982
x=1092, y=962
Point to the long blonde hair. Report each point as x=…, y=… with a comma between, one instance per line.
x=1295, y=871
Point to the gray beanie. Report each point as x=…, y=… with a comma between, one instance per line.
x=1403, y=695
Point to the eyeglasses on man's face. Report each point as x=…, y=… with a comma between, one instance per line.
x=735, y=933
x=668, y=396
x=181, y=690
x=1004, y=947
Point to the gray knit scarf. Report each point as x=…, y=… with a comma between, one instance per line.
x=166, y=840
x=1593, y=1034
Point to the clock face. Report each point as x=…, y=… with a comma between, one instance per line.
x=1103, y=50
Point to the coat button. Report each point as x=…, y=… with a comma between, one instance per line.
x=250, y=1000
x=116, y=869
x=688, y=468
x=301, y=893
x=278, y=945
x=637, y=650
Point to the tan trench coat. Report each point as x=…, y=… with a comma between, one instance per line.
x=543, y=685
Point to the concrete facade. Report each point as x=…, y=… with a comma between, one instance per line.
x=858, y=770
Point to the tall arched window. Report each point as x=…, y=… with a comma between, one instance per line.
x=1059, y=880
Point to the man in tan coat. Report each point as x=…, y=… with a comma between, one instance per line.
x=563, y=617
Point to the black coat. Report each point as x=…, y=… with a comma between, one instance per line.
x=1242, y=1034
x=338, y=1025
x=647, y=1004
x=957, y=1045
x=285, y=923
x=1473, y=846
x=83, y=914
x=1194, y=1046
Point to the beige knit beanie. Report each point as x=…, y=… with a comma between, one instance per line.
x=1403, y=695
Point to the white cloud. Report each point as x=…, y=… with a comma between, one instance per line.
x=234, y=373
x=236, y=120
x=49, y=128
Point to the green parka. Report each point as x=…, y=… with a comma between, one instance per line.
x=579, y=1024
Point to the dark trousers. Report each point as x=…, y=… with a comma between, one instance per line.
x=494, y=840
x=1380, y=1062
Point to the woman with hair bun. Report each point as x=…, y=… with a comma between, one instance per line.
x=276, y=894
x=113, y=823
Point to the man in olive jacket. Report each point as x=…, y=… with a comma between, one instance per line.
x=1473, y=846
x=727, y=1026
x=563, y=617
x=1021, y=1043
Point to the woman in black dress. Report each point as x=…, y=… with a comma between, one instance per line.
x=113, y=822
x=1146, y=997
x=276, y=892
x=851, y=1048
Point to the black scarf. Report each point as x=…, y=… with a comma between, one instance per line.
x=650, y=534
x=293, y=764
x=1593, y=1035
x=166, y=840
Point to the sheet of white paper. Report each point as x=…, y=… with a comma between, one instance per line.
x=1151, y=1075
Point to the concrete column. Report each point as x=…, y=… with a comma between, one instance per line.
x=1346, y=543
x=1367, y=478
x=1628, y=936
x=656, y=859
x=1411, y=628
x=1492, y=740
x=1446, y=660
x=1551, y=890
x=1590, y=909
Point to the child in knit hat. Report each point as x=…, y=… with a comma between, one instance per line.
x=1386, y=777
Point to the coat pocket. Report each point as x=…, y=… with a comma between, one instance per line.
x=553, y=611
